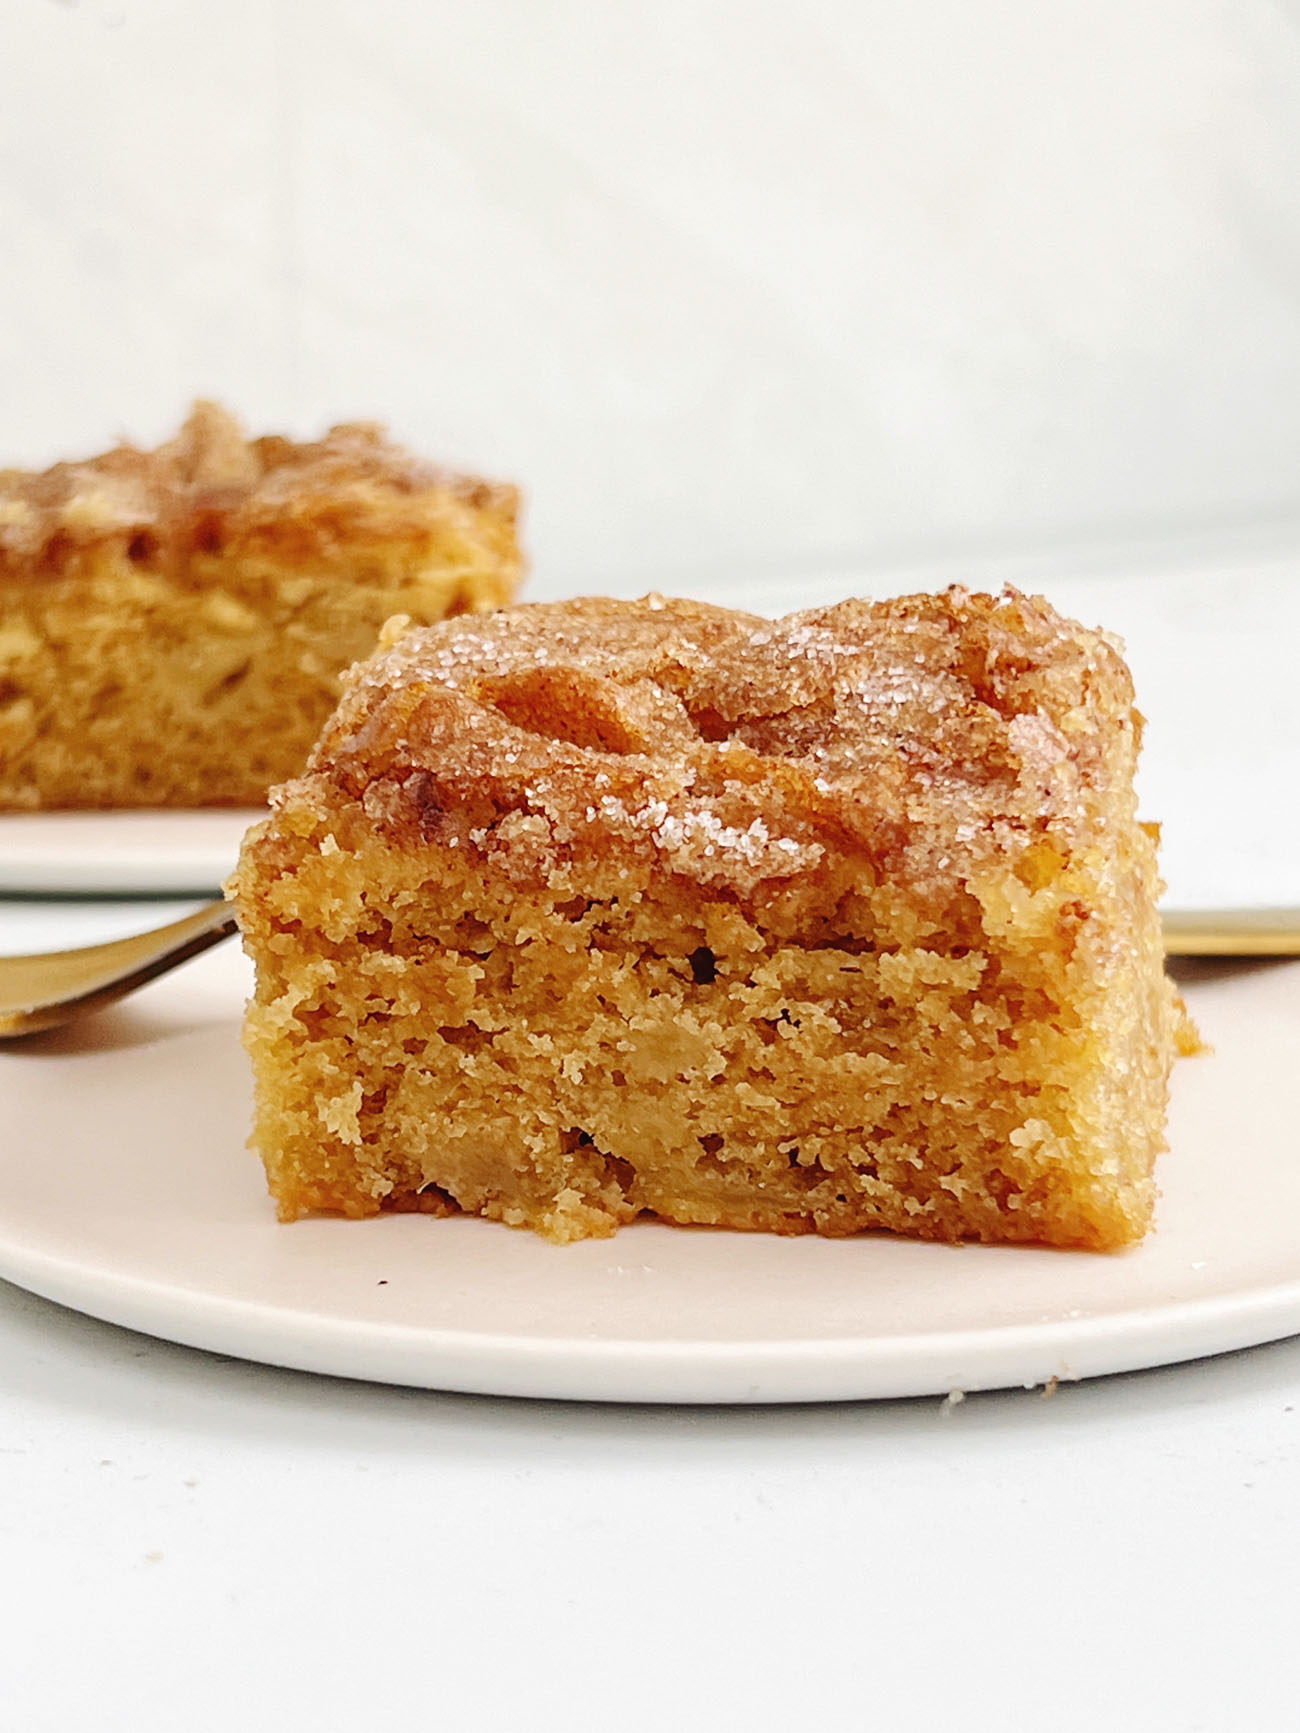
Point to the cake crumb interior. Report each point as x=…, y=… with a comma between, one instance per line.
x=174, y=623
x=841, y=922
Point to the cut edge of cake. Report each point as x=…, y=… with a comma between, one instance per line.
x=174, y=623
x=844, y=921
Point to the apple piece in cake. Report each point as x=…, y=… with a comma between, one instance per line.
x=173, y=623
x=837, y=922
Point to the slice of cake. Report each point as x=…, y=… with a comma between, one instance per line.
x=837, y=922
x=173, y=623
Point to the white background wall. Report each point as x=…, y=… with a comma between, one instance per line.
x=724, y=285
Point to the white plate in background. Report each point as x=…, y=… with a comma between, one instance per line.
x=126, y=1191
x=120, y=853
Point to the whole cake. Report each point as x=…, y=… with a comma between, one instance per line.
x=173, y=623
x=837, y=922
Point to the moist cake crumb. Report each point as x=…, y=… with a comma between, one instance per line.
x=844, y=921
x=173, y=623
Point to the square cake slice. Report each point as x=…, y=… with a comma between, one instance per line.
x=173, y=623
x=836, y=922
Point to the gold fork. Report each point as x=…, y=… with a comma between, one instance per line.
x=43, y=991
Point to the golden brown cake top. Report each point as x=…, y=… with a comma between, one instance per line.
x=211, y=483
x=914, y=736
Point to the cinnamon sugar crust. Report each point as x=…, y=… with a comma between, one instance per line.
x=173, y=623
x=830, y=923
x=210, y=481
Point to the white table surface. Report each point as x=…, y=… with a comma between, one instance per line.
x=192, y=1542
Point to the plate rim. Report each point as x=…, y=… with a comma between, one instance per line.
x=705, y=1372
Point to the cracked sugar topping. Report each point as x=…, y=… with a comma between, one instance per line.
x=211, y=466
x=918, y=732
